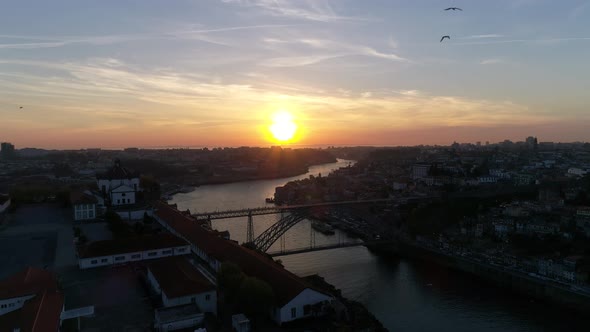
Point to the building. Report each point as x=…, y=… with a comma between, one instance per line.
x=30, y=301
x=420, y=170
x=84, y=205
x=110, y=252
x=180, y=283
x=119, y=185
x=7, y=151
x=294, y=298
x=186, y=294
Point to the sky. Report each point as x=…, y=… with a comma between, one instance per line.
x=121, y=73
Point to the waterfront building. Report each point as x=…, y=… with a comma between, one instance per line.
x=119, y=185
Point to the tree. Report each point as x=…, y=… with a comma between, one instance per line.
x=256, y=297
x=230, y=278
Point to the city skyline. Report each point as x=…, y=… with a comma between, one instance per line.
x=213, y=73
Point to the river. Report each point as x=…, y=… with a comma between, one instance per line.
x=404, y=295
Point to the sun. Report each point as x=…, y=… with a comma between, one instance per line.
x=283, y=128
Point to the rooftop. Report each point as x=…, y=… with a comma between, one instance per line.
x=27, y=282
x=172, y=314
x=118, y=172
x=40, y=314
x=80, y=197
x=135, y=244
x=177, y=277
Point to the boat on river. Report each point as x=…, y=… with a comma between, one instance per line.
x=322, y=227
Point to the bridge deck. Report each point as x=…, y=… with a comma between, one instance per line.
x=278, y=209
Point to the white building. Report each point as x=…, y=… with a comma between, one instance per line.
x=574, y=171
x=420, y=171
x=119, y=184
x=186, y=294
x=110, y=252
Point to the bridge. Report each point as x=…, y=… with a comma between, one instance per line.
x=207, y=216
x=292, y=214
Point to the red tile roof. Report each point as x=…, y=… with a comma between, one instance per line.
x=177, y=277
x=79, y=197
x=134, y=244
x=285, y=284
x=27, y=282
x=39, y=314
x=43, y=312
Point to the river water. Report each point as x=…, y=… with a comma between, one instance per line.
x=404, y=295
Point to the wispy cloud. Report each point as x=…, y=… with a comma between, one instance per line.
x=202, y=34
x=482, y=36
x=329, y=49
x=491, y=61
x=313, y=10
x=540, y=41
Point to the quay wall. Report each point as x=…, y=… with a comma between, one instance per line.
x=522, y=283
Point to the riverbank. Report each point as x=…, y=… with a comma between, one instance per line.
x=349, y=315
x=518, y=282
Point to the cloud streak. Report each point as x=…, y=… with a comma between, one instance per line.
x=312, y=10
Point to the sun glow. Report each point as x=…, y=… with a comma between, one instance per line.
x=283, y=128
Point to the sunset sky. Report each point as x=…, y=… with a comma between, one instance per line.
x=350, y=72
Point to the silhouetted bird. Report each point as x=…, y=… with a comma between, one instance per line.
x=443, y=38
x=20, y=108
x=454, y=8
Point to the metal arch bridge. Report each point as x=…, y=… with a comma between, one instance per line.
x=206, y=216
x=296, y=213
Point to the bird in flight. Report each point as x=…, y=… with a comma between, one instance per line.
x=443, y=38
x=20, y=108
x=454, y=8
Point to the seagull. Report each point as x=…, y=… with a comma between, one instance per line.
x=20, y=108
x=443, y=38
x=454, y=8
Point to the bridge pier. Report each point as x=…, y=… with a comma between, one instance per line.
x=250, y=230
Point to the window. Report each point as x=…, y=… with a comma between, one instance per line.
x=153, y=253
x=118, y=201
x=207, y=297
x=94, y=261
x=135, y=256
x=167, y=252
x=85, y=214
x=3, y=306
x=119, y=258
x=293, y=312
x=104, y=260
x=78, y=214
x=91, y=214
x=123, y=194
